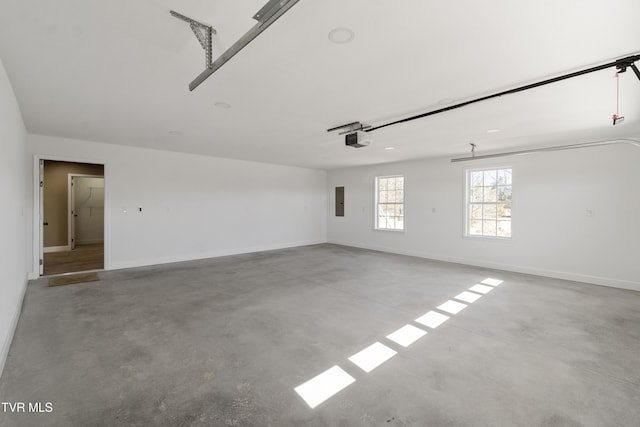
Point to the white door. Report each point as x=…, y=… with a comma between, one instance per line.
x=41, y=250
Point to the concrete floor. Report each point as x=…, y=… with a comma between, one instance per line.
x=224, y=342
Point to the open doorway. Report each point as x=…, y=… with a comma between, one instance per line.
x=73, y=217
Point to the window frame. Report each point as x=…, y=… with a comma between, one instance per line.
x=376, y=225
x=467, y=204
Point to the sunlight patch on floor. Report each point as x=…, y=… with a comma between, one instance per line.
x=406, y=335
x=468, y=297
x=432, y=319
x=483, y=289
x=372, y=357
x=321, y=387
x=452, y=307
x=491, y=282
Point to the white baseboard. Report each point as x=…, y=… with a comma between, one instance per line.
x=576, y=277
x=49, y=249
x=4, y=351
x=89, y=241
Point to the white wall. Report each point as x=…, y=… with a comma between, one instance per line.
x=552, y=233
x=13, y=225
x=194, y=206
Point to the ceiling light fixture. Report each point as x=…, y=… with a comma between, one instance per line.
x=341, y=35
x=389, y=148
x=224, y=105
x=493, y=131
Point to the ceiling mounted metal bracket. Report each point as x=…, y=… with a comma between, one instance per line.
x=350, y=128
x=268, y=10
x=622, y=65
x=266, y=16
x=203, y=32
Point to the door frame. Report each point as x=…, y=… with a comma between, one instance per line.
x=38, y=210
x=71, y=225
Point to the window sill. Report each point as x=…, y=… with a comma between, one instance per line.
x=389, y=229
x=488, y=238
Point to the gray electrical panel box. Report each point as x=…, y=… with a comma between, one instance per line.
x=339, y=201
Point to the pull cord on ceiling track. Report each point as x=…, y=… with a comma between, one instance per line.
x=620, y=64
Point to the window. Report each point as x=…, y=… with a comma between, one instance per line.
x=390, y=203
x=489, y=202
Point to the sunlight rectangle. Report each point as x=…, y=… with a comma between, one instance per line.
x=373, y=356
x=406, y=335
x=432, y=319
x=483, y=289
x=323, y=386
x=468, y=297
x=491, y=282
x=452, y=307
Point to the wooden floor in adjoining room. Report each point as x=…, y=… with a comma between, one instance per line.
x=82, y=258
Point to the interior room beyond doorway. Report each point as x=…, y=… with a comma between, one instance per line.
x=73, y=217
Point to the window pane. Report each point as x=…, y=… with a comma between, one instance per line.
x=399, y=183
x=476, y=194
x=476, y=211
x=504, y=193
x=382, y=184
x=504, y=211
x=490, y=194
x=490, y=178
x=382, y=197
x=399, y=196
x=504, y=176
x=476, y=178
x=488, y=211
x=504, y=228
x=489, y=227
x=391, y=196
x=475, y=228
x=391, y=184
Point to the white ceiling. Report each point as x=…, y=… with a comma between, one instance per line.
x=117, y=71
